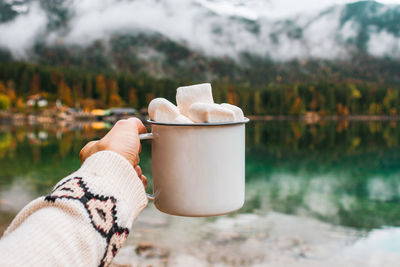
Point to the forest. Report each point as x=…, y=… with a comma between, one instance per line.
x=88, y=89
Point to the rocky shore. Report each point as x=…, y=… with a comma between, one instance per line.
x=270, y=239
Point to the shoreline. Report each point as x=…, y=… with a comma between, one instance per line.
x=54, y=117
x=7, y=117
x=316, y=118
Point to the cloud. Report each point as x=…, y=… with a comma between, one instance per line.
x=382, y=44
x=201, y=29
x=203, y=26
x=179, y=20
x=19, y=34
x=273, y=9
x=213, y=34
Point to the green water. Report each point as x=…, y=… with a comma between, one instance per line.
x=343, y=173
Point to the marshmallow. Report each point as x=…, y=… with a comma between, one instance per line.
x=238, y=111
x=161, y=110
x=182, y=119
x=187, y=95
x=205, y=112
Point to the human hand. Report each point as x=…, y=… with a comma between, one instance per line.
x=123, y=139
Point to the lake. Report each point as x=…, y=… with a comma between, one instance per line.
x=316, y=195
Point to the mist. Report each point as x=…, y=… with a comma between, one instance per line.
x=201, y=28
x=20, y=34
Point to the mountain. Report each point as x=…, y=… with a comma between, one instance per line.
x=194, y=39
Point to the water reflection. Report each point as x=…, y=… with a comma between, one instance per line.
x=342, y=172
x=345, y=173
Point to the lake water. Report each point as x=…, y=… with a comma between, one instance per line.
x=316, y=195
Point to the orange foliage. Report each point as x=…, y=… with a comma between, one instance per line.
x=115, y=100
x=101, y=87
x=88, y=104
x=35, y=83
x=342, y=110
x=64, y=93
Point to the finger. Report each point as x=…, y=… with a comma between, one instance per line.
x=131, y=124
x=138, y=170
x=144, y=180
x=141, y=128
x=86, y=150
x=121, y=125
x=137, y=160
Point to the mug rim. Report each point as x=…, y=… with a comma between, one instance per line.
x=246, y=120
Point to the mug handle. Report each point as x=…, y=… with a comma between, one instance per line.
x=147, y=136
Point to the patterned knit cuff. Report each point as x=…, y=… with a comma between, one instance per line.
x=109, y=189
x=110, y=174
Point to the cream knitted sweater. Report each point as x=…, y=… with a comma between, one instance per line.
x=82, y=222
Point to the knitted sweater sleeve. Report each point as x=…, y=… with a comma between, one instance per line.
x=82, y=222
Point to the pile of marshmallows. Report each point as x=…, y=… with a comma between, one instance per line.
x=195, y=105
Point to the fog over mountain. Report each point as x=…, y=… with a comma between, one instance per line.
x=209, y=27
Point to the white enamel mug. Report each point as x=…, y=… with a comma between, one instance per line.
x=198, y=169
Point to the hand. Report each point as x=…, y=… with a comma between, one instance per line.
x=123, y=139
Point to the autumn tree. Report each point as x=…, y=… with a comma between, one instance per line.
x=64, y=93
x=4, y=102
x=114, y=100
x=35, y=84
x=3, y=88
x=232, y=97
x=11, y=92
x=101, y=88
